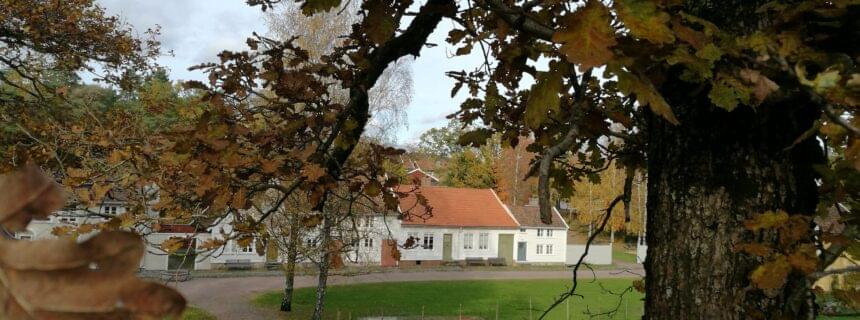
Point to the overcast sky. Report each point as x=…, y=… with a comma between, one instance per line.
x=196, y=30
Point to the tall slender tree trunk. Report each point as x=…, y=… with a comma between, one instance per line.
x=292, y=256
x=324, y=264
x=707, y=176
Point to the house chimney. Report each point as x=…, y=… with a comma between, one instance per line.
x=533, y=202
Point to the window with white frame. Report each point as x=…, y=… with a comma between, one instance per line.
x=368, y=242
x=428, y=241
x=549, y=249
x=367, y=221
x=539, y=249
x=240, y=249
x=549, y=232
x=540, y=232
x=467, y=241
x=68, y=219
x=112, y=210
x=483, y=241
x=523, y=230
x=24, y=235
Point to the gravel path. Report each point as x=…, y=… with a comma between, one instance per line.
x=229, y=298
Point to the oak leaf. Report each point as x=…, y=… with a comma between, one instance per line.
x=645, y=93
x=63, y=279
x=313, y=6
x=772, y=274
x=804, y=259
x=544, y=98
x=586, y=36
x=379, y=24
x=762, y=85
x=766, y=220
x=645, y=20
x=313, y=172
x=27, y=194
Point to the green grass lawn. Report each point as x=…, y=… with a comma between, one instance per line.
x=469, y=298
x=192, y=313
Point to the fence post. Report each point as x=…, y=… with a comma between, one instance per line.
x=338, y=314
x=460, y=312
x=626, y=302
x=422, y=312
x=567, y=309
x=530, y=308
x=497, y=309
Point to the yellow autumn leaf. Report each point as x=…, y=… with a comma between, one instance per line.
x=645, y=93
x=766, y=220
x=645, y=20
x=772, y=274
x=586, y=36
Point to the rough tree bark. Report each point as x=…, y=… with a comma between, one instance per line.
x=709, y=174
x=292, y=256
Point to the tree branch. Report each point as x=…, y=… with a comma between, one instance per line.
x=518, y=19
x=831, y=114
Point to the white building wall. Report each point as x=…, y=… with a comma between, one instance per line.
x=558, y=241
x=377, y=229
x=232, y=250
x=458, y=252
x=597, y=254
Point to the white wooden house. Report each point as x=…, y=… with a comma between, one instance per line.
x=457, y=224
x=538, y=242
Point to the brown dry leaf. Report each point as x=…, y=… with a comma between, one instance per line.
x=313, y=172
x=63, y=279
x=639, y=285
x=27, y=194
x=804, y=259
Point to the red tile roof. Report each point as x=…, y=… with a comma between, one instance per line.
x=456, y=207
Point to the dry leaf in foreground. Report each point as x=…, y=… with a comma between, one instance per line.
x=63, y=279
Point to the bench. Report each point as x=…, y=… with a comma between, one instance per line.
x=238, y=264
x=274, y=266
x=475, y=262
x=175, y=275
x=497, y=261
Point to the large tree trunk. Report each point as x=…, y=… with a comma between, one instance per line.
x=707, y=176
x=324, y=265
x=292, y=256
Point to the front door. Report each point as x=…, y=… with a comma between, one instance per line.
x=446, y=247
x=521, y=251
x=506, y=248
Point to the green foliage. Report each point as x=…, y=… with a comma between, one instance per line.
x=442, y=142
x=192, y=313
x=544, y=98
x=470, y=169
